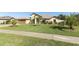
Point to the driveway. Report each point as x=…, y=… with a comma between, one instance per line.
x=5, y=25
x=43, y=35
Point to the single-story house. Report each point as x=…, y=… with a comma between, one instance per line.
x=20, y=20
x=54, y=19
x=46, y=17
x=3, y=19
x=23, y=20
x=49, y=18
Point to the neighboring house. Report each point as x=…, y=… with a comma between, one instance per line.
x=20, y=20
x=46, y=17
x=54, y=19
x=49, y=18
x=23, y=20
x=3, y=19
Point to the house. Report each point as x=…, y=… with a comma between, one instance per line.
x=20, y=20
x=54, y=19
x=36, y=18
x=23, y=20
x=50, y=19
x=3, y=19
x=46, y=17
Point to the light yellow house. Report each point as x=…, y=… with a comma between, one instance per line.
x=20, y=20
x=3, y=19
x=23, y=20
x=50, y=19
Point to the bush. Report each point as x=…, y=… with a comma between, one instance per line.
x=50, y=22
x=61, y=24
x=43, y=22
x=55, y=21
x=8, y=21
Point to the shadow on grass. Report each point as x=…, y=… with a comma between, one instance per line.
x=59, y=27
x=35, y=24
x=13, y=26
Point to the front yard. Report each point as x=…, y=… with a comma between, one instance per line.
x=45, y=28
x=16, y=40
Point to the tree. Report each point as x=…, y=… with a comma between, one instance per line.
x=62, y=17
x=77, y=18
x=71, y=21
x=13, y=22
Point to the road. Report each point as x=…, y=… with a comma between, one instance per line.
x=43, y=36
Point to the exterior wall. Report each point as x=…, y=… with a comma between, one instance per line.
x=23, y=21
x=27, y=22
x=32, y=17
x=57, y=20
x=1, y=21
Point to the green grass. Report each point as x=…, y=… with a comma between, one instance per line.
x=16, y=40
x=45, y=28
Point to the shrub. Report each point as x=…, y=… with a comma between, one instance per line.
x=61, y=24
x=8, y=21
x=50, y=22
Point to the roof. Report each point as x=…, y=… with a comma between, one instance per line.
x=46, y=16
x=22, y=18
x=9, y=17
x=6, y=17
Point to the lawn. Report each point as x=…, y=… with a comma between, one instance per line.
x=16, y=40
x=45, y=28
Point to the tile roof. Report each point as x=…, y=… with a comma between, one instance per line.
x=6, y=17
x=46, y=16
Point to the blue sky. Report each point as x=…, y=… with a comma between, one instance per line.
x=27, y=14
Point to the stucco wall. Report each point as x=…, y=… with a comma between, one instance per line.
x=27, y=22
x=1, y=21
x=23, y=21
x=52, y=20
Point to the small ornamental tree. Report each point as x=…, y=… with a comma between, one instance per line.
x=14, y=22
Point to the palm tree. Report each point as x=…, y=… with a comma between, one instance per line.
x=71, y=21
x=77, y=17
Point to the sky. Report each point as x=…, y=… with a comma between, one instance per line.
x=28, y=14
